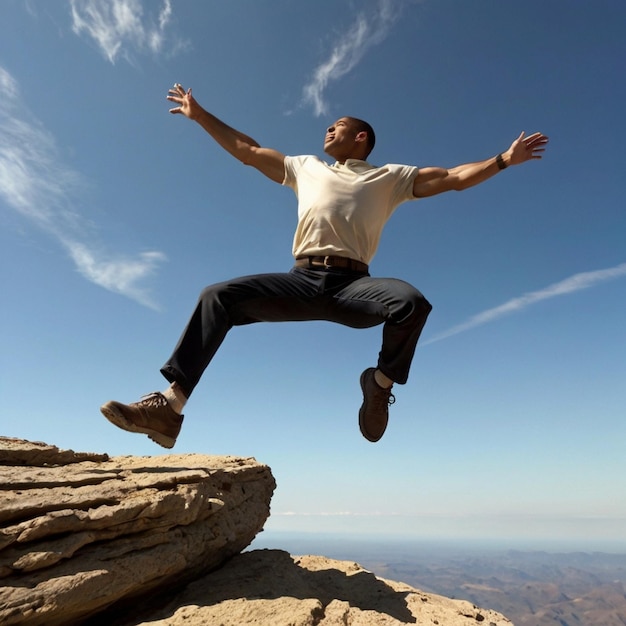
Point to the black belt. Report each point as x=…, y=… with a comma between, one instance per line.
x=330, y=262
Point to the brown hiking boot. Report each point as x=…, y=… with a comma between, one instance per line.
x=374, y=412
x=152, y=416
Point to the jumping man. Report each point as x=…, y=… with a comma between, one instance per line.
x=342, y=209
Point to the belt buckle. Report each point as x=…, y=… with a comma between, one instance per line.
x=328, y=262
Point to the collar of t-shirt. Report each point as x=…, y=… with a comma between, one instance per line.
x=355, y=165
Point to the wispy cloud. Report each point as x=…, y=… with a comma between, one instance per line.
x=574, y=283
x=121, y=275
x=121, y=27
x=35, y=183
x=368, y=30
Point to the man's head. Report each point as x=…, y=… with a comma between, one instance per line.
x=349, y=138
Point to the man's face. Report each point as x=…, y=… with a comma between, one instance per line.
x=340, y=139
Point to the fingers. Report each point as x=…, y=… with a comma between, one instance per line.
x=525, y=148
x=177, y=94
x=536, y=138
x=535, y=144
x=178, y=109
x=532, y=139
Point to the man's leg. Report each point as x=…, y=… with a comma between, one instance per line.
x=369, y=301
x=264, y=297
x=403, y=310
x=259, y=298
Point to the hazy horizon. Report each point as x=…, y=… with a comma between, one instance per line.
x=354, y=543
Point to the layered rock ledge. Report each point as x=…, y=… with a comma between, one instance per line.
x=80, y=532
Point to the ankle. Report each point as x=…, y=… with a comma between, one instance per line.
x=175, y=397
x=382, y=380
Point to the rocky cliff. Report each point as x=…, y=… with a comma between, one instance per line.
x=88, y=539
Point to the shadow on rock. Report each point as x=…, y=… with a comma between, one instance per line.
x=274, y=575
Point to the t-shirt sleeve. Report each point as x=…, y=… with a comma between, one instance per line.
x=405, y=179
x=292, y=167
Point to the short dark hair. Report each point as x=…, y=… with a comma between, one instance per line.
x=364, y=126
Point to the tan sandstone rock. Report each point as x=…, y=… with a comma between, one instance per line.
x=272, y=588
x=79, y=532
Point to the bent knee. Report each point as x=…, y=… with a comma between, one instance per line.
x=416, y=306
x=212, y=291
x=419, y=302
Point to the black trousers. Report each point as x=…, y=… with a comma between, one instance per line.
x=350, y=298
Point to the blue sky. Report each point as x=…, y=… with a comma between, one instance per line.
x=115, y=214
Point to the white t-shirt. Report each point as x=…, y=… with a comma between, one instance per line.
x=342, y=208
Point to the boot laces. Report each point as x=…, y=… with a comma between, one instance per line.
x=383, y=398
x=153, y=400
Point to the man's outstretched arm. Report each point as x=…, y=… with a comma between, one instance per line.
x=433, y=180
x=245, y=149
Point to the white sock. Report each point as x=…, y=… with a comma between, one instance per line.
x=175, y=396
x=382, y=380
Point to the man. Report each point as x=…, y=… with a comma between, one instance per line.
x=342, y=209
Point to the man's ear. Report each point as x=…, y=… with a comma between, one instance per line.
x=361, y=136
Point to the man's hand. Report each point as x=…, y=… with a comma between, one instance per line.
x=525, y=148
x=187, y=105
